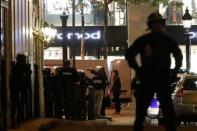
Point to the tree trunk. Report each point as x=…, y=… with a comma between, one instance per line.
x=105, y=31
x=82, y=32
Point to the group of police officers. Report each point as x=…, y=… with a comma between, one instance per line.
x=71, y=94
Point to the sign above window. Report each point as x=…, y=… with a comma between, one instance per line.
x=93, y=35
x=77, y=35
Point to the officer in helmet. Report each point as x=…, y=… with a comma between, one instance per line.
x=70, y=80
x=155, y=49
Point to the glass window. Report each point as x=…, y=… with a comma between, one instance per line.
x=93, y=15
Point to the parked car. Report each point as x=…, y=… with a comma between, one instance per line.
x=185, y=98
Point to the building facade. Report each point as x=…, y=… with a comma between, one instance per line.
x=18, y=18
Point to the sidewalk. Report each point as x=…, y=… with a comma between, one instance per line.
x=33, y=125
x=94, y=125
x=124, y=118
x=120, y=122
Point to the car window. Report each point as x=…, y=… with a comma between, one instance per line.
x=190, y=84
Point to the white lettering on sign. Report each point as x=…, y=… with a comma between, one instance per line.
x=193, y=35
x=60, y=36
x=94, y=36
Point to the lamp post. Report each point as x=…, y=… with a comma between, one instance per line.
x=64, y=19
x=187, y=22
x=49, y=33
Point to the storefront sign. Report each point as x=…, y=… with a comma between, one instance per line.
x=94, y=36
x=177, y=33
x=193, y=35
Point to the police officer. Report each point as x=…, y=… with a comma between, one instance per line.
x=21, y=76
x=116, y=89
x=48, y=92
x=70, y=81
x=99, y=83
x=155, y=49
x=57, y=93
x=85, y=81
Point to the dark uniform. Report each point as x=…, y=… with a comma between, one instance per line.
x=69, y=78
x=81, y=96
x=48, y=92
x=99, y=83
x=155, y=49
x=57, y=93
x=21, y=84
x=116, y=90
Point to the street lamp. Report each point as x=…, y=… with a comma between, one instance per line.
x=64, y=19
x=187, y=22
x=46, y=34
x=49, y=33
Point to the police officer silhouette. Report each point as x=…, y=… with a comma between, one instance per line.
x=83, y=99
x=21, y=83
x=70, y=81
x=48, y=92
x=58, y=97
x=155, y=49
x=99, y=83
